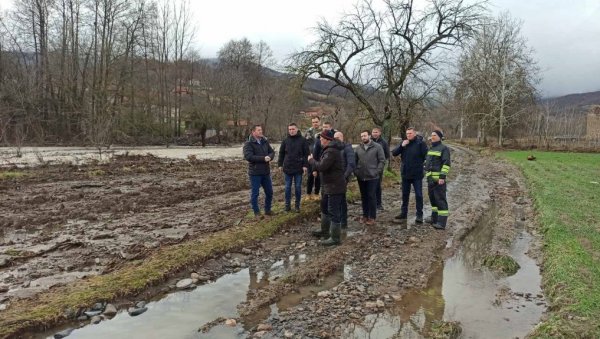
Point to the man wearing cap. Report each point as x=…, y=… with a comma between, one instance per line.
x=349, y=159
x=437, y=166
x=333, y=188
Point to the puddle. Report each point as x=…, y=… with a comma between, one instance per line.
x=181, y=314
x=461, y=290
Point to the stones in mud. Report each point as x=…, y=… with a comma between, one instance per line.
x=3, y=288
x=3, y=307
x=184, y=284
x=63, y=334
x=98, y=307
x=288, y=334
x=259, y=334
x=110, y=310
x=4, y=261
x=264, y=327
x=95, y=320
x=380, y=304
x=246, y=251
x=91, y=314
x=324, y=294
x=133, y=311
x=231, y=322
x=140, y=304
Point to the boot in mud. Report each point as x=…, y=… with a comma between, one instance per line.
x=441, y=223
x=335, y=239
x=325, y=225
x=433, y=219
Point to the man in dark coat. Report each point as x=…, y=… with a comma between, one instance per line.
x=376, y=137
x=370, y=160
x=437, y=166
x=413, y=152
x=349, y=160
x=333, y=188
x=259, y=154
x=293, y=155
x=311, y=136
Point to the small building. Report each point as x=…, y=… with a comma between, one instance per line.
x=593, y=123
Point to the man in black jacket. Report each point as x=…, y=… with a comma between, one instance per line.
x=376, y=137
x=413, y=152
x=333, y=188
x=259, y=154
x=293, y=154
x=311, y=136
x=349, y=161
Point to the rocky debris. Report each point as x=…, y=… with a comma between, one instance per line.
x=246, y=251
x=110, y=310
x=259, y=334
x=231, y=322
x=184, y=284
x=288, y=334
x=63, y=334
x=264, y=327
x=134, y=311
x=4, y=260
x=4, y=288
x=95, y=320
x=324, y=294
x=91, y=314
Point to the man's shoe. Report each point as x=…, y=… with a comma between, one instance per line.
x=269, y=213
x=325, y=227
x=297, y=210
x=401, y=216
x=370, y=222
x=380, y=208
x=361, y=220
x=287, y=208
x=419, y=219
x=257, y=214
x=335, y=236
x=438, y=226
x=430, y=220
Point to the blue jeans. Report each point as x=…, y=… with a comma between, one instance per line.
x=368, y=196
x=418, y=186
x=297, y=178
x=256, y=181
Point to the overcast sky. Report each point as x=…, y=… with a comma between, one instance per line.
x=564, y=34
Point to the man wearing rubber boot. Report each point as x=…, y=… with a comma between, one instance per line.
x=437, y=166
x=333, y=188
x=349, y=160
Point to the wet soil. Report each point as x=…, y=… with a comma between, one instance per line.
x=287, y=285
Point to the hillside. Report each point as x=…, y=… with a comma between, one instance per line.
x=580, y=101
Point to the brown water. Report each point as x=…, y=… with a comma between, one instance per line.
x=181, y=314
x=461, y=290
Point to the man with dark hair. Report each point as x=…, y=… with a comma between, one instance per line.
x=437, y=166
x=259, y=154
x=348, y=159
x=369, y=168
x=333, y=190
x=412, y=151
x=293, y=154
x=376, y=137
x=311, y=135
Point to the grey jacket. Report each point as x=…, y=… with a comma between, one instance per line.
x=370, y=161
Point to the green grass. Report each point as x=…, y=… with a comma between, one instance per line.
x=503, y=264
x=4, y=175
x=567, y=197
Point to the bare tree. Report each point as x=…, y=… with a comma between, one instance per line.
x=498, y=75
x=373, y=54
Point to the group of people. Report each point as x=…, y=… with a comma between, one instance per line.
x=331, y=163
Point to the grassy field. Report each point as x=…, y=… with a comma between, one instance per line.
x=566, y=191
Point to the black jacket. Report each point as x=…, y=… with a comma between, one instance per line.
x=437, y=164
x=349, y=160
x=413, y=156
x=385, y=146
x=255, y=154
x=331, y=168
x=317, y=149
x=293, y=154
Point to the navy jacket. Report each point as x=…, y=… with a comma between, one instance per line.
x=413, y=156
x=293, y=154
x=349, y=161
x=385, y=146
x=255, y=153
x=330, y=167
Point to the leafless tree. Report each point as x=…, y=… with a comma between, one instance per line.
x=374, y=54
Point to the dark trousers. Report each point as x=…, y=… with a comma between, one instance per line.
x=344, y=219
x=378, y=192
x=297, y=179
x=313, y=182
x=368, y=190
x=331, y=205
x=417, y=184
x=256, y=182
x=439, y=204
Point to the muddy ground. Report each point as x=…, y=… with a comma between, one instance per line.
x=62, y=223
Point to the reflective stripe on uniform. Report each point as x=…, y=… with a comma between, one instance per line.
x=434, y=210
x=443, y=213
x=435, y=153
x=445, y=169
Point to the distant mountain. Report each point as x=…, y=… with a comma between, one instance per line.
x=580, y=101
